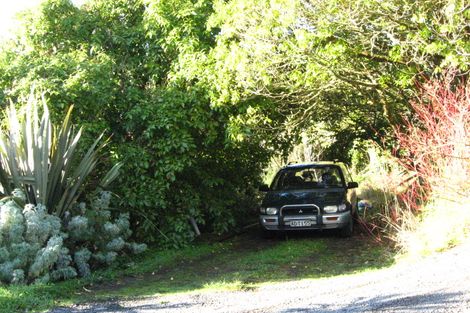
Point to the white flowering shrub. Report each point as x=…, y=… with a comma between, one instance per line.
x=36, y=246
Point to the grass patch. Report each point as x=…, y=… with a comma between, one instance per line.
x=242, y=263
x=434, y=230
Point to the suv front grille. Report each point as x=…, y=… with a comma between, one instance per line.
x=299, y=210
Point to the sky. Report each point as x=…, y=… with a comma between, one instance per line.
x=8, y=10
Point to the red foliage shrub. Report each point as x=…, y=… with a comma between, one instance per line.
x=434, y=144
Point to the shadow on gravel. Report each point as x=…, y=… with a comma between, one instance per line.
x=113, y=307
x=430, y=302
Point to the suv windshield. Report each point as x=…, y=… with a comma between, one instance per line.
x=308, y=178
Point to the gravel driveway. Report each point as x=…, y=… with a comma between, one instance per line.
x=439, y=283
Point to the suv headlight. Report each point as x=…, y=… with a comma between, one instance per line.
x=268, y=210
x=330, y=209
x=334, y=208
x=271, y=211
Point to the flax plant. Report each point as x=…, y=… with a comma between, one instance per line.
x=43, y=160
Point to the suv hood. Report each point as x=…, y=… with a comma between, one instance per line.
x=319, y=197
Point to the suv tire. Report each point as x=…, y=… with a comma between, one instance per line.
x=348, y=229
x=267, y=234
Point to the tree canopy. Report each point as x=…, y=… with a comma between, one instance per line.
x=351, y=64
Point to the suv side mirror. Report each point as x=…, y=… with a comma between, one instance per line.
x=352, y=185
x=263, y=188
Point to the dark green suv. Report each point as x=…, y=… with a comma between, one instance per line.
x=309, y=196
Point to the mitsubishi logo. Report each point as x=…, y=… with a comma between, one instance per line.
x=300, y=211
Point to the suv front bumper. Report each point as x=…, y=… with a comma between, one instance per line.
x=325, y=221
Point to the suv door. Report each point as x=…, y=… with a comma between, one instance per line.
x=351, y=192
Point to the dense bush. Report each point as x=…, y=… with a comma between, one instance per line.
x=434, y=144
x=382, y=179
x=420, y=195
x=36, y=246
x=434, y=147
x=116, y=61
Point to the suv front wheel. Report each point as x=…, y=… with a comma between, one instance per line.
x=347, y=230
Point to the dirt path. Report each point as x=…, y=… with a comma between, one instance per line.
x=440, y=283
x=345, y=249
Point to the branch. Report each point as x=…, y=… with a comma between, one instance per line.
x=379, y=58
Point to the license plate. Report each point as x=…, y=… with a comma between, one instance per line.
x=300, y=223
